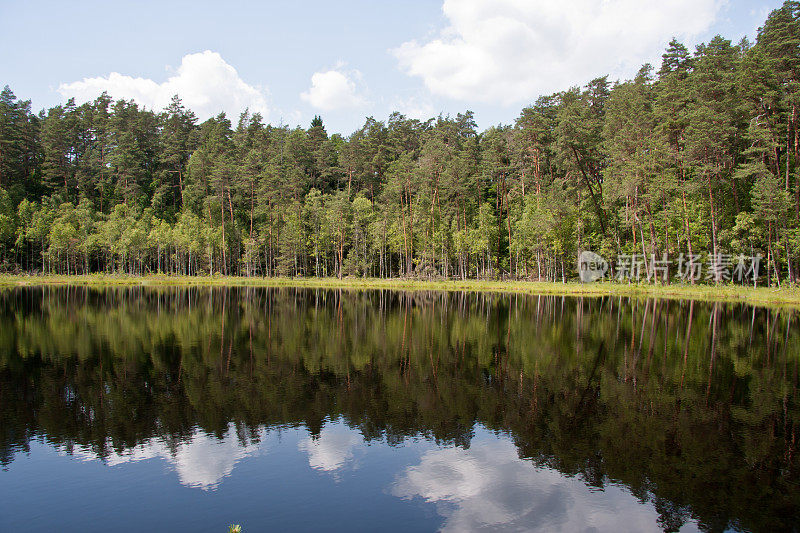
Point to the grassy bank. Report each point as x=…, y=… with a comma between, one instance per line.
x=759, y=296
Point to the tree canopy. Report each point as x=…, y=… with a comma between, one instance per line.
x=697, y=156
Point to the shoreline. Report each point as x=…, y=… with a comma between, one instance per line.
x=724, y=293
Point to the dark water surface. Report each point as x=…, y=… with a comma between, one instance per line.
x=294, y=410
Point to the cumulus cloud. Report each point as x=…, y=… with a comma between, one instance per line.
x=508, y=51
x=201, y=462
x=206, y=83
x=417, y=107
x=334, y=89
x=488, y=487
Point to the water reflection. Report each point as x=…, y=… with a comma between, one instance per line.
x=201, y=460
x=599, y=403
x=332, y=448
x=488, y=487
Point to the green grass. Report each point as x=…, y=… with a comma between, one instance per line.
x=787, y=296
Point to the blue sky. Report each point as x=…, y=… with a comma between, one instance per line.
x=346, y=60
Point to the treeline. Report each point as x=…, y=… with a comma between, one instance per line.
x=698, y=157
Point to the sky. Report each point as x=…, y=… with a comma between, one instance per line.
x=346, y=60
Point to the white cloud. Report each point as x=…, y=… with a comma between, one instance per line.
x=488, y=487
x=510, y=51
x=206, y=83
x=201, y=462
x=416, y=107
x=334, y=89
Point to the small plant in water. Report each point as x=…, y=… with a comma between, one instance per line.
x=234, y=528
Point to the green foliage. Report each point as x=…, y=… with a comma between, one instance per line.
x=667, y=162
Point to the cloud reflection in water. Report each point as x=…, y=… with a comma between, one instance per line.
x=202, y=461
x=488, y=487
x=332, y=449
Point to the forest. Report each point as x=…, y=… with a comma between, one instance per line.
x=700, y=155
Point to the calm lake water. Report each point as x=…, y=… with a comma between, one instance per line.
x=295, y=410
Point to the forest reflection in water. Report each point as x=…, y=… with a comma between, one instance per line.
x=510, y=411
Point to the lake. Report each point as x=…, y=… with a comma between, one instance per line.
x=189, y=409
